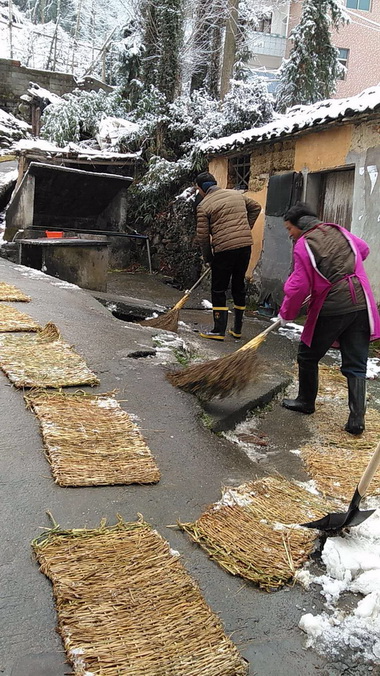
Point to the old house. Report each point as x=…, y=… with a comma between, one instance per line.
x=327, y=154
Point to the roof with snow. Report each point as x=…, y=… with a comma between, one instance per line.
x=299, y=119
x=72, y=152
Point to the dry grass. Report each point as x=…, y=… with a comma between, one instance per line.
x=126, y=606
x=43, y=360
x=90, y=440
x=12, y=319
x=253, y=531
x=336, y=459
x=11, y=293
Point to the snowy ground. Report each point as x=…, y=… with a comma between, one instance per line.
x=352, y=564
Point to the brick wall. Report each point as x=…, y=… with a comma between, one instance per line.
x=15, y=80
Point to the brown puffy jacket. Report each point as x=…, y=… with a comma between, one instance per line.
x=228, y=216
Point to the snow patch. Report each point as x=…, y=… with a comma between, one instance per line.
x=352, y=565
x=373, y=368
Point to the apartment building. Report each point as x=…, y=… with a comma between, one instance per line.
x=358, y=43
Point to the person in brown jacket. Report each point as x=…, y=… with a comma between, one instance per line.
x=225, y=219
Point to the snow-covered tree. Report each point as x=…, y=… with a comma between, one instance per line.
x=311, y=72
x=77, y=116
x=130, y=62
x=162, y=36
x=246, y=105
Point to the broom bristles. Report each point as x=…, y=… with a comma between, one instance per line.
x=221, y=377
x=217, y=378
x=168, y=321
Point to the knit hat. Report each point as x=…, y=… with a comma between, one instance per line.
x=205, y=180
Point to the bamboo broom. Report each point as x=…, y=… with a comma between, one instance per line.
x=169, y=320
x=224, y=376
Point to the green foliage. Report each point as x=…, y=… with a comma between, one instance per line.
x=310, y=73
x=78, y=115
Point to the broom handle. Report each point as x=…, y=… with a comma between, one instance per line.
x=369, y=471
x=184, y=298
x=261, y=336
x=203, y=275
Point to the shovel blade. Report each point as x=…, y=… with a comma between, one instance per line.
x=335, y=521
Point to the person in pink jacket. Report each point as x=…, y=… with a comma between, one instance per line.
x=328, y=268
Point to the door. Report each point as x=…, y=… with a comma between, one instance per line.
x=337, y=192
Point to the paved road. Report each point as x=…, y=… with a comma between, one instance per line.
x=194, y=464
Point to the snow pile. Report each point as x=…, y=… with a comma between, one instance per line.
x=352, y=565
x=245, y=436
x=291, y=331
x=373, y=368
x=11, y=129
x=111, y=129
x=168, y=345
x=206, y=304
x=35, y=91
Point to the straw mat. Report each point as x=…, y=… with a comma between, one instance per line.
x=10, y=293
x=126, y=606
x=12, y=319
x=336, y=460
x=43, y=360
x=253, y=531
x=90, y=440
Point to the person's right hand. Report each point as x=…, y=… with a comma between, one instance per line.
x=283, y=321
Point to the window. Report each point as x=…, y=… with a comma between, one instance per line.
x=264, y=23
x=240, y=168
x=343, y=60
x=365, y=5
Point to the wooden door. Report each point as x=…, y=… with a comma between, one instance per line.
x=337, y=195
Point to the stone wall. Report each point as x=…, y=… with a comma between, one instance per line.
x=15, y=80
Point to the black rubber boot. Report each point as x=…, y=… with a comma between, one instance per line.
x=307, y=391
x=220, y=324
x=238, y=322
x=357, y=405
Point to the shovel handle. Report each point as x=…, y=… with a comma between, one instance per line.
x=369, y=471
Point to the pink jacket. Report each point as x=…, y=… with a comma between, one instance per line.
x=306, y=280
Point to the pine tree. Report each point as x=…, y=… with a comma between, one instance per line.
x=310, y=73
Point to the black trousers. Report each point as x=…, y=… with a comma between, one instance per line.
x=229, y=266
x=352, y=331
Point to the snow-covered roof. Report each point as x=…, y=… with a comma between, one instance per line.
x=297, y=119
x=71, y=151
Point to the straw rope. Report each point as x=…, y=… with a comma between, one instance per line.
x=12, y=319
x=43, y=360
x=336, y=459
x=90, y=440
x=11, y=293
x=126, y=605
x=253, y=531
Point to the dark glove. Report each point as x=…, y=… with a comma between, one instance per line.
x=207, y=253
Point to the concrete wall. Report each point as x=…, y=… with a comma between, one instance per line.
x=15, y=80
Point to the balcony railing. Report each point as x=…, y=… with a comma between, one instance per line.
x=269, y=44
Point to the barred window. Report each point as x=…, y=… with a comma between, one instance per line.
x=240, y=168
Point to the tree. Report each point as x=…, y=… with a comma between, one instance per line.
x=310, y=73
x=162, y=29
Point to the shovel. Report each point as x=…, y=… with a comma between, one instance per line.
x=333, y=523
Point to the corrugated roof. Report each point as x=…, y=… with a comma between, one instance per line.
x=297, y=119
